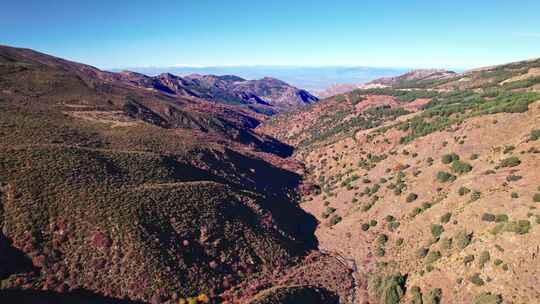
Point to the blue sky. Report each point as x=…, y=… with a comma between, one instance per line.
x=400, y=33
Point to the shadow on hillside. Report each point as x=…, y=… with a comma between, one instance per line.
x=12, y=260
x=279, y=187
x=49, y=297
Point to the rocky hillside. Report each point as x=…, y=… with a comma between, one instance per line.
x=113, y=193
x=429, y=185
x=267, y=95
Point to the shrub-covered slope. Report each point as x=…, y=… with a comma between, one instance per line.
x=437, y=205
x=109, y=192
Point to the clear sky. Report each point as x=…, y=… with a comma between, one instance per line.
x=397, y=33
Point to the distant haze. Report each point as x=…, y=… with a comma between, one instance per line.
x=313, y=79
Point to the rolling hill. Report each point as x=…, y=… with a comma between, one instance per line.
x=125, y=188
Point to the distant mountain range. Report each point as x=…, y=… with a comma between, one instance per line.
x=313, y=79
x=266, y=95
x=411, y=76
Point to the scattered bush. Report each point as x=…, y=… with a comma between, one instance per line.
x=448, y=158
x=488, y=298
x=535, y=135
x=476, y=280
x=468, y=259
x=436, y=230
x=460, y=167
x=499, y=218
x=433, y=256
x=335, y=219
x=379, y=251
x=365, y=227
x=411, y=197
x=443, y=177
x=445, y=218
x=422, y=252
x=462, y=239
x=483, y=259
x=536, y=198
x=513, y=178
x=434, y=296
x=463, y=190
x=382, y=239
x=488, y=217
x=514, y=195
x=518, y=227
x=390, y=218
x=446, y=243
x=475, y=196
x=416, y=295
x=510, y=162
x=389, y=289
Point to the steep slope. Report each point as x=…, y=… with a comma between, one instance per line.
x=109, y=191
x=438, y=204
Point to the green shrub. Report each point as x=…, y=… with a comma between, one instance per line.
x=422, y=252
x=460, y=167
x=476, y=280
x=488, y=217
x=389, y=289
x=416, y=211
x=488, y=298
x=497, y=229
x=499, y=218
x=382, y=239
x=462, y=239
x=497, y=262
x=433, y=256
x=483, y=258
x=513, y=178
x=445, y=218
x=514, y=195
x=463, y=190
x=393, y=225
x=535, y=135
x=475, y=195
x=446, y=243
x=416, y=295
x=434, y=296
x=335, y=219
x=399, y=242
x=365, y=227
x=536, y=198
x=518, y=227
x=379, y=251
x=411, y=197
x=443, y=177
x=448, y=158
x=390, y=218
x=436, y=230
x=373, y=223
x=468, y=259
x=510, y=162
